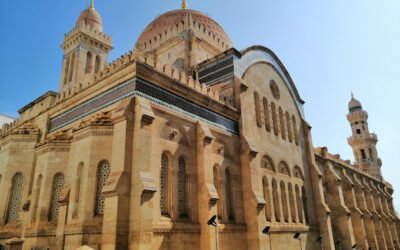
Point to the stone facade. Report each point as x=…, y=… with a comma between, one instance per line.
x=141, y=152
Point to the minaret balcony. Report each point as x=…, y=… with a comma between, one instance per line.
x=356, y=139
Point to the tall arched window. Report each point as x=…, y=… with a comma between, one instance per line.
x=282, y=124
x=257, y=109
x=292, y=203
x=36, y=193
x=103, y=171
x=218, y=187
x=267, y=199
x=228, y=195
x=303, y=191
x=58, y=184
x=289, y=127
x=274, y=118
x=284, y=202
x=71, y=67
x=182, y=197
x=164, y=184
x=299, y=204
x=295, y=132
x=78, y=189
x=14, y=203
x=66, y=70
x=97, y=64
x=275, y=197
x=266, y=115
x=88, y=68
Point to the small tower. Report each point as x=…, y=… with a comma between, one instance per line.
x=86, y=50
x=362, y=141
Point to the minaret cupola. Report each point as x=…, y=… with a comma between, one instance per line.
x=86, y=50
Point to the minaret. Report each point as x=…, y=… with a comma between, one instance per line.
x=362, y=141
x=86, y=50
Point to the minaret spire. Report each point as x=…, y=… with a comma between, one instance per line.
x=184, y=4
x=92, y=4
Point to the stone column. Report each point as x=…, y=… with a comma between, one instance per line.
x=208, y=197
x=117, y=189
x=341, y=215
x=376, y=219
x=141, y=199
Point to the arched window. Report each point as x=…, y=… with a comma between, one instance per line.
x=267, y=163
x=71, y=68
x=257, y=109
x=267, y=199
x=228, y=195
x=284, y=168
x=36, y=193
x=58, y=184
x=275, y=196
x=289, y=127
x=66, y=68
x=274, y=118
x=295, y=132
x=182, y=192
x=78, y=187
x=164, y=184
x=88, y=68
x=299, y=204
x=103, y=171
x=97, y=64
x=292, y=203
x=218, y=187
x=305, y=204
x=14, y=202
x=284, y=202
x=282, y=124
x=266, y=115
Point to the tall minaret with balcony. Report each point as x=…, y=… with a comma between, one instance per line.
x=362, y=141
x=86, y=50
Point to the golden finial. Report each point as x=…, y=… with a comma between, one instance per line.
x=92, y=4
x=184, y=4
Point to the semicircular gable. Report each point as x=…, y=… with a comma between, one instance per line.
x=259, y=54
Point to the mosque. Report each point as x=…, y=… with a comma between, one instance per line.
x=185, y=142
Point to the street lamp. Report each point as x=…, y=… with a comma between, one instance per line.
x=297, y=236
x=212, y=222
x=267, y=231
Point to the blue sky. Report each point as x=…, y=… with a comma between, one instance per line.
x=330, y=48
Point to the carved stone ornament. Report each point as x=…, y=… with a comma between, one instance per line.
x=274, y=89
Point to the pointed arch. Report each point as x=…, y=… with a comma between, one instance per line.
x=103, y=171
x=289, y=127
x=97, y=64
x=292, y=203
x=267, y=199
x=66, y=70
x=284, y=168
x=164, y=184
x=274, y=118
x=228, y=196
x=14, y=202
x=285, y=207
x=295, y=131
x=88, y=68
x=71, y=67
x=266, y=115
x=218, y=186
x=275, y=197
x=58, y=184
x=304, y=200
x=267, y=163
x=282, y=124
x=36, y=193
x=78, y=189
x=182, y=188
x=297, y=173
x=257, y=109
x=299, y=203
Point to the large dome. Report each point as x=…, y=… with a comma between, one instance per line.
x=90, y=17
x=174, y=21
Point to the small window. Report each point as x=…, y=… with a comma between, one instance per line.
x=358, y=131
x=363, y=156
x=356, y=123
